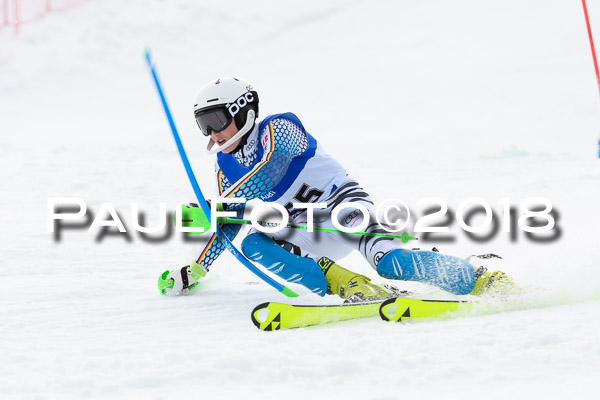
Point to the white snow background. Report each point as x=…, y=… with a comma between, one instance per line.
x=432, y=98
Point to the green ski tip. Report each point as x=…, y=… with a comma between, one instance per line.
x=288, y=292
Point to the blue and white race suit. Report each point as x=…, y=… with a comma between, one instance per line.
x=281, y=162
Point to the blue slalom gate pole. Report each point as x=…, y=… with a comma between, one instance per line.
x=201, y=200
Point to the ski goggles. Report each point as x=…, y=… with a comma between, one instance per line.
x=214, y=120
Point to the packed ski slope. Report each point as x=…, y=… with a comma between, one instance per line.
x=417, y=99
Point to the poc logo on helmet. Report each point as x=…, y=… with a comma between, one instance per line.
x=240, y=103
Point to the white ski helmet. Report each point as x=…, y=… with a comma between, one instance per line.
x=220, y=101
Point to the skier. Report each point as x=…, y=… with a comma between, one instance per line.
x=277, y=160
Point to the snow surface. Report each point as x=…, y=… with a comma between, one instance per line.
x=417, y=99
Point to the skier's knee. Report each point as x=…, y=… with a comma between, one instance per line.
x=259, y=242
x=256, y=243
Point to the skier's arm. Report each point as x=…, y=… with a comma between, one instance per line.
x=282, y=140
x=214, y=247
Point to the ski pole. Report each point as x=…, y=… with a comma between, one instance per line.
x=405, y=237
x=197, y=219
x=192, y=178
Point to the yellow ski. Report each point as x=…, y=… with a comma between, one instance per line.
x=275, y=316
x=404, y=308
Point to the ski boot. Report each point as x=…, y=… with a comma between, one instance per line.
x=493, y=284
x=353, y=287
x=180, y=281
